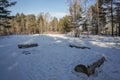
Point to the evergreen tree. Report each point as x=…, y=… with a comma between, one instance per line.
x=54, y=24
x=109, y=13
x=23, y=23
x=74, y=9
x=31, y=24
x=5, y=13
x=40, y=23
x=65, y=24
x=117, y=16
x=46, y=22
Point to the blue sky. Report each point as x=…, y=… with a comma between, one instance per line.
x=56, y=8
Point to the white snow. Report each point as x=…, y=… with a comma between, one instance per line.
x=53, y=59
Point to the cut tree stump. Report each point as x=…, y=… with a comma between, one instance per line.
x=27, y=45
x=90, y=69
x=81, y=47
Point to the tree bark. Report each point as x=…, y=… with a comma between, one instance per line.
x=112, y=17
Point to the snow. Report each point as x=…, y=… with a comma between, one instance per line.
x=53, y=59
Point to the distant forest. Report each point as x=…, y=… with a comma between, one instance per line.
x=103, y=17
x=43, y=23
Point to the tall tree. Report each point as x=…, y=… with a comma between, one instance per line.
x=40, y=23
x=65, y=24
x=74, y=9
x=101, y=16
x=110, y=15
x=46, y=21
x=5, y=13
x=31, y=23
x=18, y=23
x=117, y=16
x=91, y=18
x=54, y=24
x=23, y=23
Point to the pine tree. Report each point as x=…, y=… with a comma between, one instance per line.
x=109, y=13
x=40, y=23
x=75, y=9
x=54, y=24
x=117, y=16
x=31, y=24
x=23, y=23
x=5, y=13
x=46, y=22
x=65, y=24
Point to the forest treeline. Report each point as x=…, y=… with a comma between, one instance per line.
x=102, y=17
x=31, y=24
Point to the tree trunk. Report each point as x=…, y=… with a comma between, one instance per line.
x=119, y=29
x=112, y=17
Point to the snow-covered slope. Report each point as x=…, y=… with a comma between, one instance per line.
x=53, y=59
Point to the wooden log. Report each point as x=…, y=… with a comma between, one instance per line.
x=81, y=47
x=93, y=66
x=90, y=69
x=27, y=45
x=81, y=68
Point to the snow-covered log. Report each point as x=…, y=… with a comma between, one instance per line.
x=81, y=47
x=90, y=69
x=27, y=45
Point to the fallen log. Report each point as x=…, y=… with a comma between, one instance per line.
x=27, y=45
x=81, y=68
x=81, y=47
x=90, y=69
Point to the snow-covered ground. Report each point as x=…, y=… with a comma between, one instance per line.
x=53, y=59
